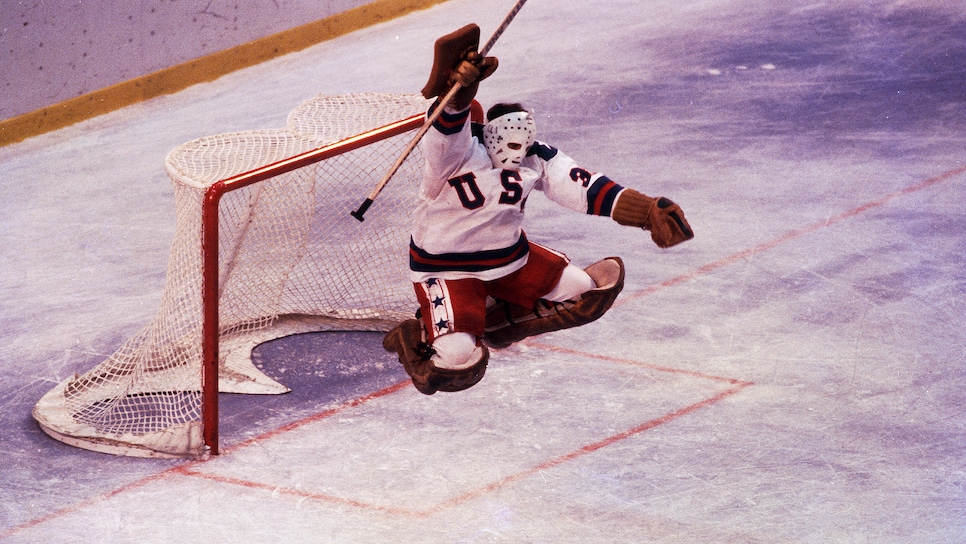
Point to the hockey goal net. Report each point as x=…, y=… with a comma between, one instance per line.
x=264, y=247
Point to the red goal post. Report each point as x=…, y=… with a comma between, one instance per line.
x=265, y=247
x=209, y=248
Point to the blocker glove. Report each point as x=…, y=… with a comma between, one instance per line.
x=663, y=218
x=469, y=73
x=455, y=59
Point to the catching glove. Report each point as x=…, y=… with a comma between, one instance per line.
x=663, y=218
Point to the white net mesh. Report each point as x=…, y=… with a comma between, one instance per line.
x=291, y=259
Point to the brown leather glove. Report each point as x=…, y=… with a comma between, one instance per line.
x=663, y=218
x=469, y=73
x=455, y=59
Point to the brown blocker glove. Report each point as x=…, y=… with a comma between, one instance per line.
x=663, y=218
x=470, y=72
x=455, y=59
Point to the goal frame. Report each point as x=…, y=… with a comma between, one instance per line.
x=210, y=260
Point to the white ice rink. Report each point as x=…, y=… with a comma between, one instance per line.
x=793, y=374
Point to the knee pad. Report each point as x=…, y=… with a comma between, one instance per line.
x=455, y=350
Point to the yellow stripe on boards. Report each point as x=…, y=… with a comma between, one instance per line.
x=207, y=68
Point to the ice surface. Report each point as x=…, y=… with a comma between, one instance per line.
x=793, y=374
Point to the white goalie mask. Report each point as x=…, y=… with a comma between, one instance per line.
x=508, y=137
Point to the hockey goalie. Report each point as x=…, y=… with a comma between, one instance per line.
x=479, y=281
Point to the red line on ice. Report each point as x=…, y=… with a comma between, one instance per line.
x=710, y=267
x=668, y=369
x=590, y=448
x=319, y=416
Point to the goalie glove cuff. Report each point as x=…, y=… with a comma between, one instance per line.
x=632, y=209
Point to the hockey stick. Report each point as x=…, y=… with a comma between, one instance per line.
x=358, y=214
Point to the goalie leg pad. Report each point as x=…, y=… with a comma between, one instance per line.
x=407, y=340
x=508, y=323
x=452, y=380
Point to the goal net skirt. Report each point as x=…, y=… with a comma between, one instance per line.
x=264, y=218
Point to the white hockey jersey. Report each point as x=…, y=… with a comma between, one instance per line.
x=469, y=220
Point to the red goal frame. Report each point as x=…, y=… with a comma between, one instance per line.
x=209, y=249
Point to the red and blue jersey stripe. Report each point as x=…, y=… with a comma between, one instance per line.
x=449, y=123
x=601, y=196
x=421, y=260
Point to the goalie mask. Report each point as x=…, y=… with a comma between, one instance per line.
x=508, y=137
